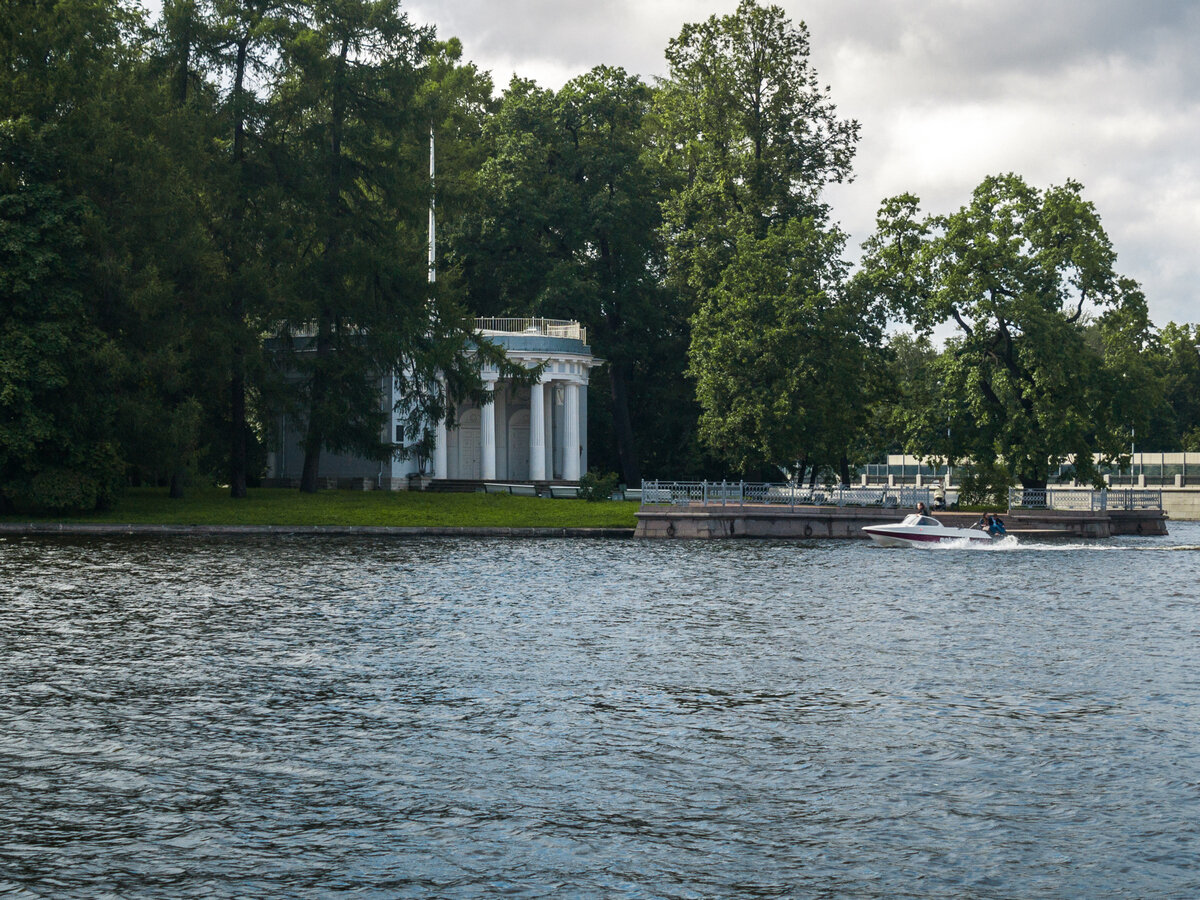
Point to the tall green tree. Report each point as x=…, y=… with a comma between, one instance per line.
x=58, y=446
x=752, y=140
x=1174, y=356
x=159, y=266
x=1019, y=272
x=750, y=134
x=910, y=413
x=242, y=42
x=613, y=278
x=780, y=354
x=66, y=67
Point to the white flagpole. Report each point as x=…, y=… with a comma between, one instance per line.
x=432, y=219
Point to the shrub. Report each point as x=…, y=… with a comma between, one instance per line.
x=985, y=485
x=594, y=486
x=89, y=481
x=58, y=490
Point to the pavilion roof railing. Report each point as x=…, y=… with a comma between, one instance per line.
x=559, y=328
x=309, y=329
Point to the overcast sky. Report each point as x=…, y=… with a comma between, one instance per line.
x=947, y=92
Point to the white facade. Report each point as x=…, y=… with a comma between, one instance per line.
x=526, y=433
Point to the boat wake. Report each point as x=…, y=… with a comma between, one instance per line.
x=1010, y=542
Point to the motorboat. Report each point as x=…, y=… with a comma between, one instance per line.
x=917, y=530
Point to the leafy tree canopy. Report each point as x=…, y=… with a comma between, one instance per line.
x=751, y=140
x=1021, y=273
x=751, y=135
x=772, y=348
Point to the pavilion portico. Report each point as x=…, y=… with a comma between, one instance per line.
x=526, y=433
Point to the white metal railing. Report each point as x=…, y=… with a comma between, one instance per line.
x=1055, y=498
x=1135, y=499
x=560, y=328
x=1076, y=499
x=311, y=327
x=747, y=493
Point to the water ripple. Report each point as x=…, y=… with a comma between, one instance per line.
x=470, y=718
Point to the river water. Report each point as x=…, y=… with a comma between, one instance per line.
x=530, y=718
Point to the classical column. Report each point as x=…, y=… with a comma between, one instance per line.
x=487, y=433
x=583, y=422
x=537, y=432
x=571, y=438
x=500, y=401
x=440, y=469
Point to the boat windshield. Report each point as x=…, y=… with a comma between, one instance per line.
x=926, y=521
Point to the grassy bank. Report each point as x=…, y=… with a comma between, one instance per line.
x=280, y=506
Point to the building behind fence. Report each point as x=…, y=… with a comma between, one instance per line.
x=1145, y=470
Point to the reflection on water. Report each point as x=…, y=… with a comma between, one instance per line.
x=462, y=718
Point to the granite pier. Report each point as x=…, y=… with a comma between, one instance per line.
x=739, y=510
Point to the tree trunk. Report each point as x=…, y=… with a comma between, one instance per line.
x=183, y=71
x=312, y=460
x=176, y=486
x=315, y=435
x=622, y=427
x=237, y=415
x=237, y=310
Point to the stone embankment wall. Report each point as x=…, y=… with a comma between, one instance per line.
x=700, y=521
x=1182, y=504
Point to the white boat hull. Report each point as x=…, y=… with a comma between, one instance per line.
x=922, y=531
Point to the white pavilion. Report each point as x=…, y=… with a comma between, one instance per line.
x=524, y=435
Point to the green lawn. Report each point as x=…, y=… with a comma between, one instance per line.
x=280, y=506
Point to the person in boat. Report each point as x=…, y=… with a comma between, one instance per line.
x=990, y=522
x=921, y=510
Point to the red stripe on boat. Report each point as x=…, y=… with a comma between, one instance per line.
x=913, y=536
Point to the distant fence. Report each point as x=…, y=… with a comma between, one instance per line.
x=1139, y=470
x=1096, y=501
x=747, y=493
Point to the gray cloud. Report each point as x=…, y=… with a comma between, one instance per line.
x=947, y=92
x=1102, y=93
